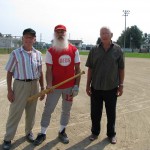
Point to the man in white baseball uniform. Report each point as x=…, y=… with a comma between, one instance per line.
x=62, y=62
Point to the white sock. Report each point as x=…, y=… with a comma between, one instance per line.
x=43, y=130
x=61, y=128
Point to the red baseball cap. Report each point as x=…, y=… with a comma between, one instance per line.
x=60, y=27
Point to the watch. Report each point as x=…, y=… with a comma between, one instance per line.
x=120, y=84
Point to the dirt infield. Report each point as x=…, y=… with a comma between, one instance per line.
x=133, y=115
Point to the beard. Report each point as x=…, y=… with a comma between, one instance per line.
x=60, y=43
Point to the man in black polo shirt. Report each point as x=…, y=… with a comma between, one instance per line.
x=105, y=82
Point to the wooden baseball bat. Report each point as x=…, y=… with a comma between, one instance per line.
x=46, y=91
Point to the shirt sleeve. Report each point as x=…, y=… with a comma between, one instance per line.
x=121, y=63
x=77, y=57
x=89, y=60
x=10, y=66
x=48, y=58
x=40, y=66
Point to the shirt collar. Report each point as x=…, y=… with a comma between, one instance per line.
x=112, y=44
x=33, y=49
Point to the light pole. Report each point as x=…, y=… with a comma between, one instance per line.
x=125, y=13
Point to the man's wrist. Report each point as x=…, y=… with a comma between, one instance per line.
x=121, y=85
x=10, y=90
x=76, y=85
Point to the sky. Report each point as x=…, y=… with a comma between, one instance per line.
x=82, y=18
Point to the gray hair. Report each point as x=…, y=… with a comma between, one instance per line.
x=105, y=27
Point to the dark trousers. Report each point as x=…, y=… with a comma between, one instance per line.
x=110, y=99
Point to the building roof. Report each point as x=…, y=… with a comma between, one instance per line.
x=75, y=41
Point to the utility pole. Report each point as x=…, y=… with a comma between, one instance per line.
x=40, y=40
x=40, y=37
x=125, y=13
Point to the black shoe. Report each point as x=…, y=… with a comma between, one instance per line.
x=63, y=137
x=6, y=145
x=113, y=140
x=39, y=139
x=93, y=137
x=30, y=137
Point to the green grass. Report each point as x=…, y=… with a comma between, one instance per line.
x=5, y=51
x=133, y=55
x=138, y=55
x=8, y=51
x=127, y=54
x=84, y=52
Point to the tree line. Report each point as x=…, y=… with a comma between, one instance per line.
x=133, y=38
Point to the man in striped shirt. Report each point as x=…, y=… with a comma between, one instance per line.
x=25, y=66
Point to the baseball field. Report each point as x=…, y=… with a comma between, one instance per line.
x=132, y=121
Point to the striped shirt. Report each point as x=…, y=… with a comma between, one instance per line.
x=25, y=65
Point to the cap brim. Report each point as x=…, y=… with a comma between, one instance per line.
x=60, y=29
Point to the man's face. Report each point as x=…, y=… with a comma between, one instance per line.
x=60, y=34
x=105, y=35
x=28, y=39
x=60, y=41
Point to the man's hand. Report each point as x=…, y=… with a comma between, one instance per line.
x=120, y=90
x=43, y=96
x=75, y=90
x=88, y=90
x=10, y=96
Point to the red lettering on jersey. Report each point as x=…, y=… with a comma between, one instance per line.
x=65, y=60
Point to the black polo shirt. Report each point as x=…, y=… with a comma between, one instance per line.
x=105, y=66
